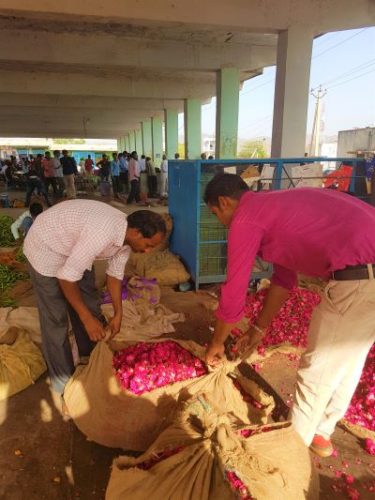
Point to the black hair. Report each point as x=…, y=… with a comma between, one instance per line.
x=230, y=185
x=35, y=209
x=148, y=223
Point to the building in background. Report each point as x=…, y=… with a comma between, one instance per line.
x=355, y=140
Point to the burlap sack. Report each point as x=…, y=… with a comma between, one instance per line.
x=21, y=363
x=164, y=266
x=143, y=317
x=273, y=463
x=357, y=430
x=24, y=318
x=111, y=416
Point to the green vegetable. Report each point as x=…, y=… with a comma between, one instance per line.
x=6, y=237
x=8, y=277
x=6, y=301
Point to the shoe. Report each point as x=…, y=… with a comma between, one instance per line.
x=321, y=446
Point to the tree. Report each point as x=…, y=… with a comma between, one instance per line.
x=252, y=149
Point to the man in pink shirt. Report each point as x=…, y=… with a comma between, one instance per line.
x=61, y=247
x=134, y=175
x=317, y=232
x=48, y=167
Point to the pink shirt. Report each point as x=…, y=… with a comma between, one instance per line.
x=134, y=170
x=65, y=240
x=48, y=167
x=306, y=230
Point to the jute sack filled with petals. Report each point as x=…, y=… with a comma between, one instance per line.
x=206, y=455
x=112, y=416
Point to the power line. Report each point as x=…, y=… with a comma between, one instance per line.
x=351, y=79
x=340, y=43
x=258, y=86
x=347, y=73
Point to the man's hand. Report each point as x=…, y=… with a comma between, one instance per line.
x=215, y=353
x=94, y=328
x=115, y=324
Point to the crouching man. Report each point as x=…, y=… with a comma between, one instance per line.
x=317, y=232
x=61, y=247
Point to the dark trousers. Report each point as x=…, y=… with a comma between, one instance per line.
x=134, y=191
x=51, y=181
x=54, y=310
x=124, y=181
x=31, y=186
x=152, y=183
x=116, y=186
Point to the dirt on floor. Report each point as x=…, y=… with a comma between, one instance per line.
x=44, y=457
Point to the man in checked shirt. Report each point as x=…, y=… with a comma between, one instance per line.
x=61, y=247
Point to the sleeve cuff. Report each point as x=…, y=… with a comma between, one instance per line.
x=115, y=275
x=69, y=275
x=228, y=319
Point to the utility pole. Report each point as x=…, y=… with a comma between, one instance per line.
x=315, y=136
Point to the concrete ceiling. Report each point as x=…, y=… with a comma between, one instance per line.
x=98, y=68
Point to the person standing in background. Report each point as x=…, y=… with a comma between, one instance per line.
x=104, y=166
x=124, y=181
x=49, y=173
x=151, y=178
x=89, y=165
x=142, y=163
x=59, y=176
x=115, y=174
x=134, y=175
x=69, y=170
x=164, y=177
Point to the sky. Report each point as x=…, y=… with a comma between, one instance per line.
x=342, y=62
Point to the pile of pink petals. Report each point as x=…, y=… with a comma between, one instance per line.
x=145, y=367
x=291, y=323
x=237, y=485
x=362, y=406
x=370, y=446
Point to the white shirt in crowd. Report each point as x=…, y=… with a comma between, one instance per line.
x=142, y=164
x=58, y=167
x=164, y=167
x=17, y=224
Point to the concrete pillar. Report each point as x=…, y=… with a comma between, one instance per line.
x=292, y=91
x=119, y=144
x=227, y=102
x=139, y=142
x=127, y=143
x=132, y=141
x=171, y=132
x=147, y=138
x=157, y=139
x=193, y=127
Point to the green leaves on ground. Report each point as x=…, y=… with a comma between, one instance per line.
x=6, y=237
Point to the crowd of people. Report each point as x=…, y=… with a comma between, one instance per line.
x=131, y=177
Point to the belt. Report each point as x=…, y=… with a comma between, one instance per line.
x=362, y=272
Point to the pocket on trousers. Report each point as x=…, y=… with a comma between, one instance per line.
x=342, y=294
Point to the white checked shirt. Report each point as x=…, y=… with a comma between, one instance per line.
x=65, y=240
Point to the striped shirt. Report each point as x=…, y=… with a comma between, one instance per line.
x=66, y=239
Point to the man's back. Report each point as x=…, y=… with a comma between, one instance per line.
x=314, y=231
